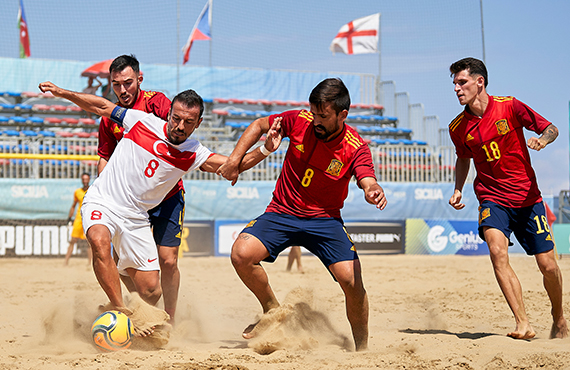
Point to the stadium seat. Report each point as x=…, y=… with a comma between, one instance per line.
x=58, y=108
x=47, y=133
x=64, y=134
x=4, y=119
x=70, y=121
x=17, y=119
x=11, y=94
x=41, y=107
x=87, y=121
x=35, y=120
x=23, y=107
x=52, y=120
x=82, y=134
x=30, y=94
x=73, y=108
x=5, y=106
x=220, y=112
x=12, y=133
x=29, y=133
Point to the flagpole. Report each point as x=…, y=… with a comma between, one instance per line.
x=177, y=46
x=210, y=22
x=379, y=92
x=482, y=29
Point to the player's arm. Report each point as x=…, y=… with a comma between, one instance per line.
x=373, y=192
x=101, y=165
x=215, y=162
x=461, y=171
x=549, y=134
x=72, y=209
x=251, y=135
x=87, y=102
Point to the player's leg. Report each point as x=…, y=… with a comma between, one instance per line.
x=508, y=281
x=70, y=250
x=99, y=238
x=170, y=278
x=147, y=284
x=349, y=276
x=247, y=253
x=552, y=279
x=166, y=220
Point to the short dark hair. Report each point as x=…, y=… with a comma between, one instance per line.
x=85, y=174
x=189, y=98
x=472, y=65
x=124, y=61
x=331, y=90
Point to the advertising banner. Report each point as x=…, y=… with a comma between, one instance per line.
x=443, y=237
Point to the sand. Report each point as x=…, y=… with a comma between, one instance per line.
x=426, y=312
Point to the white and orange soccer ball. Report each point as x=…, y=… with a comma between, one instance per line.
x=112, y=331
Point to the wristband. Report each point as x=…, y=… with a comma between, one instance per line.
x=264, y=150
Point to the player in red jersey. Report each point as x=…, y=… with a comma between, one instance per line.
x=324, y=153
x=490, y=130
x=166, y=219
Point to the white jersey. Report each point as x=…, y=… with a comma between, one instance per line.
x=144, y=167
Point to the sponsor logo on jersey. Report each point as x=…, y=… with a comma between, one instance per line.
x=300, y=148
x=469, y=137
x=306, y=115
x=116, y=129
x=502, y=126
x=334, y=167
x=151, y=260
x=549, y=237
x=251, y=223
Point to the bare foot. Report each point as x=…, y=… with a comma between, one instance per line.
x=559, y=330
x=526, y=332
x=248, y=332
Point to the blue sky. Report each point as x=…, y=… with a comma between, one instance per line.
x=527, y=52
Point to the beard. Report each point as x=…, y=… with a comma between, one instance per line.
x=323, y=134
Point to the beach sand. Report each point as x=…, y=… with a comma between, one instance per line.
x=426, y=312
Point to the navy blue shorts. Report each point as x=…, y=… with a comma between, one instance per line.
x=529, y=225
x=325, y=237
x=166, y=220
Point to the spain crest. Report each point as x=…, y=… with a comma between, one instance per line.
x=334, y=167
x=502, y=126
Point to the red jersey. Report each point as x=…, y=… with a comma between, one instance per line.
x=110, y=133
x=315, y=175
x=497, y=145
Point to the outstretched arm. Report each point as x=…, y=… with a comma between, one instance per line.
x=251, y=135
x=549, y=134
x=272, y=142
x=87, y=102
x=461, y=172
x=373, y=193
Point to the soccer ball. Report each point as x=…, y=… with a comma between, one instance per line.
x=112, y=331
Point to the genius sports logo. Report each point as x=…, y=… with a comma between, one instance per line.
x=443, y=237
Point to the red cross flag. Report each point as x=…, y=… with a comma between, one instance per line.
x=358, y=37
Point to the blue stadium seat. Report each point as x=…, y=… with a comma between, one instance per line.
x=47, y=133
x=35, y=120
x=23, y=107
x=29, y=133
x=10, y=93
x=4, y=119
x=12, y=133
x=17, y=119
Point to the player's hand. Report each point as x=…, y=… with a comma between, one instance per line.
x=455, y=200
x=535, y=143
x=274, y=135
x=229, y=170
x=375, y=195
x=50, y=87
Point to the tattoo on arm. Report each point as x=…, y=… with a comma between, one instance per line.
x=550, y=133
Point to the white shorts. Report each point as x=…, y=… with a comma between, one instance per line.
x=131, y=237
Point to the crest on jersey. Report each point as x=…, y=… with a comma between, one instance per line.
x=469, y=137
x=300, y=148
x=502, y=126
x=334, y=167
x=484, y=214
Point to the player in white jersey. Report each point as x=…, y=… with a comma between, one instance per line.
x=150, y=159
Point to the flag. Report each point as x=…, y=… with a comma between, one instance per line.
x=24, y=38
x=201, y=30
x=550, y=216
x=359, y=36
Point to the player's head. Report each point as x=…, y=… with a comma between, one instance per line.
x=330, y=102
x=185, y=116
x=85, y=178
x=469, y=79
x=126, y=79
